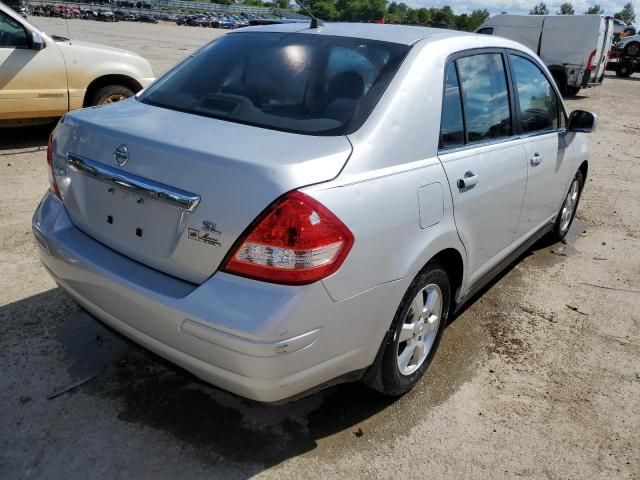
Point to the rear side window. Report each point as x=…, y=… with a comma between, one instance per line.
x=309, y=84
x=451, y=126
x=539, y=104
x=485, y=96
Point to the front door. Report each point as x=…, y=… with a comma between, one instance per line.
x=33, y=83
x=484, y=162
x=542, y=125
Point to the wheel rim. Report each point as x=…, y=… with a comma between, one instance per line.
x=113, y=99
x=569, y=206
x=633, y=50
x=419, y=329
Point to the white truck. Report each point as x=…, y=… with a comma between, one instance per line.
x=575, y=48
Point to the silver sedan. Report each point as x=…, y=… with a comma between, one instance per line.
x=293, y=207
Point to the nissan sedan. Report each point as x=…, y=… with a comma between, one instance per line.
x=293, y=207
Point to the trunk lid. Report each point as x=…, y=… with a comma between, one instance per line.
x=235, y=170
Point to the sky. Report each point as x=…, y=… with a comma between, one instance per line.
x=522, y=6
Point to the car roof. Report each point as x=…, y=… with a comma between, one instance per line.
x=403, y=34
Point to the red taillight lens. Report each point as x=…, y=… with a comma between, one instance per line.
x=296, y=241
x=53, y=186
x=592, y=58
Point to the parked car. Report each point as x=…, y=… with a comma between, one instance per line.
x=618, y=26
x=147, y=19
x=106, y=16
x=311, y=245
x=630, y=45
x=574, y=47
x=43, y=76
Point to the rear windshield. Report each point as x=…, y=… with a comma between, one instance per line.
x=309, y=84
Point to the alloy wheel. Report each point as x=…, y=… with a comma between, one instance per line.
x=569, y=206
x=419, y=329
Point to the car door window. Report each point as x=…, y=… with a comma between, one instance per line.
x=538, y=103
x=485, y=31
x=451, y=125
x=485, y=97
x=12, y=33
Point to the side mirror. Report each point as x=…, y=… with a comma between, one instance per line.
x=581, y=121
x=37, y=43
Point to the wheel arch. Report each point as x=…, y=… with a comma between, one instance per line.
x=559, y=74
x=112, y=79
x=452, y=261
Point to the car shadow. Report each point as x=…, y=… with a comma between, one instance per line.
x=547, y=252
x=574, y=98
x=17, y=138
x=134, y=387
x=634, y=77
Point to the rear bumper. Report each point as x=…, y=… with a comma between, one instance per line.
x=262, y=341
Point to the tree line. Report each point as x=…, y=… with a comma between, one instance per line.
x=394, y=12
x=626, y=14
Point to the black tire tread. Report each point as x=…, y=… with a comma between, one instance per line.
x=109, y=90
x=380, y=376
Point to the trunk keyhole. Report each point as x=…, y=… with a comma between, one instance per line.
x=109, y=219
x=139, y=232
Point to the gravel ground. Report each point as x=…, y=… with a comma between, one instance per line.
x=538, y=378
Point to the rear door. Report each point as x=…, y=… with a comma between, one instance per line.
x=604, y=45
x=33, y=83
x=541, y=122
x=483, y=159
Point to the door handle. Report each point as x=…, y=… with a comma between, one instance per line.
x=536, y=159
x=469, y=180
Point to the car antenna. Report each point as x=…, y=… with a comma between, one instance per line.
x=315, y=22
x=66, y=22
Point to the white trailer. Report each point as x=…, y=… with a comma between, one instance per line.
x=575, y=48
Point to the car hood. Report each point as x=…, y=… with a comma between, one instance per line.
x=96, y=47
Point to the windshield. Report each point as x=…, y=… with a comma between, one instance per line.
x=310, y=84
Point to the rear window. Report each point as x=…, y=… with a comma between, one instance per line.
x=302, y=83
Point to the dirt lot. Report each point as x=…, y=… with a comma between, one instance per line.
x=539, y=378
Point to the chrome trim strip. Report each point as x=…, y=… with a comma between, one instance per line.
x=133, y=183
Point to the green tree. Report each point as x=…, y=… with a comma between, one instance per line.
x=566, y=9
x=462, y=22
x=324, y=9
x=283, y=4
x=539, y=9
x=424, y=17
x=627, y=14
x=477, y=18
x=361, y=10
x=443, y=17
x=594, y=10
x=412, y=17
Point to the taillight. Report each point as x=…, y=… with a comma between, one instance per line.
x=295, y=241
x=53, y=186
x=592, y=58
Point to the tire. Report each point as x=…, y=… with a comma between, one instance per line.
x=110, y=94
x=571, y=91
x=624, y=69
x=565, y=217
x=386, y=375
x=632, y=49
x=561, y=81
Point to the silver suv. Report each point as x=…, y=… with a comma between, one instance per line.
x=293, y=207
